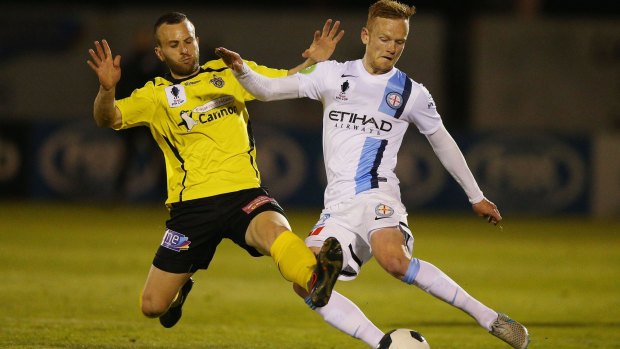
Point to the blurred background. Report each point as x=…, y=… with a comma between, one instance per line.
x=530, y=89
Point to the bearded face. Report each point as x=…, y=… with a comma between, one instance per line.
x=177, y=46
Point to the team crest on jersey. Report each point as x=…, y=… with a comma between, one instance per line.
x=383, y=211
x=394, y=100
x=217, y=81
x=175, y=95
x=175, y=241
x=344, y=88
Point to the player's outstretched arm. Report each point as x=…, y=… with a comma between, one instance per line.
x=452, y=159
x=262, y=87
x=108, y=72
x=322, y=47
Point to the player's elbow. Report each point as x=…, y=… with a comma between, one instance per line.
x=107, y=115
x=104, y=121
x=101, y=123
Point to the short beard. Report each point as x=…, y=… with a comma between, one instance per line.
x=180, y=70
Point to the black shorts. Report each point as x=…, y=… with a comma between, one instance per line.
x=196, y=227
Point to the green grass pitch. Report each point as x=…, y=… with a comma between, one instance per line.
x=71, y=276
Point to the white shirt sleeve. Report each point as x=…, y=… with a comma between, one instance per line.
x=423, y=112
x=452, y=159
x=266, y=88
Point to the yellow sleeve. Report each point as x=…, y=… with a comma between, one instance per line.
x=138, y=109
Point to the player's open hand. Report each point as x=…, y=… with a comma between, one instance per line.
x=107, y=68
x=488, y=210
x=231, y=58
x=324, y=43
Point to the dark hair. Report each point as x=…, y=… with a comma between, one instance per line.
x=169, y=18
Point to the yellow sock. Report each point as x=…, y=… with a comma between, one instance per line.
x=293, y=258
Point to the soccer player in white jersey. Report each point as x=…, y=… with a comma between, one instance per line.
x=368, y=105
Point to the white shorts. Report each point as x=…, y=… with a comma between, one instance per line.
x=352, y=222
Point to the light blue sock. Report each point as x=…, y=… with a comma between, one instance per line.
x=412, y=271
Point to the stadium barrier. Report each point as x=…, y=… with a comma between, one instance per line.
x=536, y=173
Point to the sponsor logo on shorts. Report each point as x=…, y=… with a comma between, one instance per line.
x=175, y=241
x=256, y=203
x=316, y=231
x=383, y=211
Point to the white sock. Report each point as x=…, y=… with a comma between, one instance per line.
x=435, y=282
x=344, y=315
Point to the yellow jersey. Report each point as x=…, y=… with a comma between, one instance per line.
x=202, y=126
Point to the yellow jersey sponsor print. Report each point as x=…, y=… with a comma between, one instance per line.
x=202, y=126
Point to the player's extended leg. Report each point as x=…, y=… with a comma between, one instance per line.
x=345, y=316
x=388, y=249
x=270, y=233
x=164, y=294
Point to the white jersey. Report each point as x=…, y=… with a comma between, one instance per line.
x=365, y=118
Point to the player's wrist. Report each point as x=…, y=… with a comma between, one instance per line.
x=243, y=70
x=476, y=199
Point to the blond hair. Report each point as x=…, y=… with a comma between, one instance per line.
x=389, y=9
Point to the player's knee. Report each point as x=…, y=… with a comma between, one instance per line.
x=152, y=308
x=397, y=267
x=264, y=229
x=301, y=292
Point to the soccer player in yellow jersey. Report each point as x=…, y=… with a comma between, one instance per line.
x=198, y=117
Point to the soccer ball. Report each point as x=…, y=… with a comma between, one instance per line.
x=403, y=338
